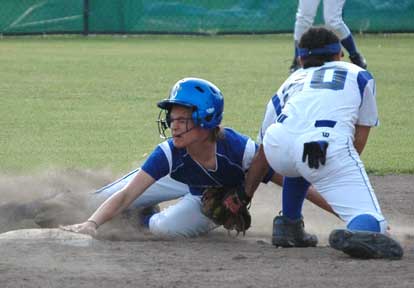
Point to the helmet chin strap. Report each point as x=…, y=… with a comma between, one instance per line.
x=162, y=127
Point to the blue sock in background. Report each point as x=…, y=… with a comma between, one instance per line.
x=349, y=44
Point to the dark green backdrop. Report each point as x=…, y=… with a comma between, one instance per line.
x=189, y=16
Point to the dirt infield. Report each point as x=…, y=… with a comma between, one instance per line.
x=126, y=257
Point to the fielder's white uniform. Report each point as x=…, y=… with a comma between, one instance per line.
x=325, y=103
x=332, y=14
x=178, y=175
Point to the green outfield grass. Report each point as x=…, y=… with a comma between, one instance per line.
x=74, y=102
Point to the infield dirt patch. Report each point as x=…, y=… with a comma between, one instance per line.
x=124, y=256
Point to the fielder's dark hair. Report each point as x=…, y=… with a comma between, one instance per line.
x=317, y=37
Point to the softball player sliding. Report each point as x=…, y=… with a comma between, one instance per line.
x=200, y=154
x=321, y=119
x=332, y=14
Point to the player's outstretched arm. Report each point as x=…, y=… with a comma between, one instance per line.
x=114, y=205
x=312, y=195
x=257, y=172
x=317, y=199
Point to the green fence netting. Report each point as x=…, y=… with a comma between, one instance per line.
x=189, y=16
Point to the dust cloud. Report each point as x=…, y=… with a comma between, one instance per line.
x=48, y=198
x=51, y=198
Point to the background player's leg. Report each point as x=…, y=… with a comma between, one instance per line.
x=305, y=16
x=332, y=11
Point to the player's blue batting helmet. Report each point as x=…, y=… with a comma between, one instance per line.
x=202, y=96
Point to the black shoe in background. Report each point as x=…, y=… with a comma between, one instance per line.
x=358, y=60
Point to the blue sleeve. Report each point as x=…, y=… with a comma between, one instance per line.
x=157, y=164
x=363, y=78
x=276, y=104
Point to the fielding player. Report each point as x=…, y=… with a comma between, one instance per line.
x=321, y=116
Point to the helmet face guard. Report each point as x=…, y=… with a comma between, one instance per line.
x=164, y=124
x=202, y=96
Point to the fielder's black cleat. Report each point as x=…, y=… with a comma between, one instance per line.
x=365, y=244
x=358, y=60
x=291, y=233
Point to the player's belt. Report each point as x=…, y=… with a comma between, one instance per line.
x=318, y=123
x=325, y=123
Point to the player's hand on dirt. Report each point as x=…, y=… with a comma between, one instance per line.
x=87, y=227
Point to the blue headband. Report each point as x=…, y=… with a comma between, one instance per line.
x=330, y=49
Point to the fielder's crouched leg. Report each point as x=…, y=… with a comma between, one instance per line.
x=365, y=244
x=291, y=233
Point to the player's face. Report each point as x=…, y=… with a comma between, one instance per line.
x=182, y=126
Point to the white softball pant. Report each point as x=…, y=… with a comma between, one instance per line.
x=164, y=189
x=181, y=219
x=332, y=14
x=342, y=181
